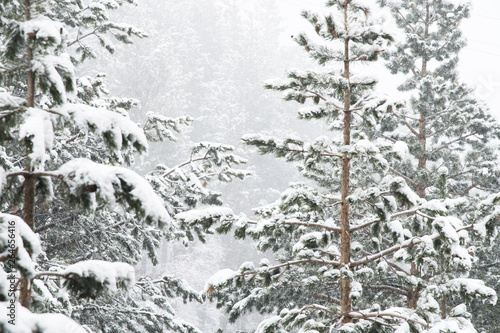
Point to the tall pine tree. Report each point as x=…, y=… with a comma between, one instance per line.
x=346, y=248
x=55, y=130
x=36, y=71
x=450, y=135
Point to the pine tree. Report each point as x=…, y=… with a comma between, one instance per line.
x=57, y=128
x=450, y=135
x=345, y=248
x=34, y=59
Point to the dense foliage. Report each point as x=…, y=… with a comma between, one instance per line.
x=64, y=141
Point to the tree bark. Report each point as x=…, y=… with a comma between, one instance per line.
x=29, y=180
x=413, y=294
x=443, y=297
x=345, y=238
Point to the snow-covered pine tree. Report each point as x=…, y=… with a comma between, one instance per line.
x=451, y=137
x=334, y=243
x=33, y=58
x=54, y=128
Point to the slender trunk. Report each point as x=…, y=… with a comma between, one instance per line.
x=443, y=297
x=29, y=181
x=29, y=218
x=345, y=238
x=422, y=159
x=413, y=294
x=422, y=137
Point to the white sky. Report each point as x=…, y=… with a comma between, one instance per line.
x=479, y=60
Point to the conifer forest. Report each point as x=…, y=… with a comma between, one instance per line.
x=236, y=166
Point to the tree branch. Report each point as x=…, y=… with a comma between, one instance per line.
x=184, y=164
x=359, y=315
x=367, y=224
x=390, y=288
x=409, y=243
x=293, y=263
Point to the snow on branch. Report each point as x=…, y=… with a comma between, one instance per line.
x=41, y=28
x=291, y=148
x=160, y=128
x=88, y=181
x=55, y=74
x=265, y=271
x=172, y=287
x=7, y=101
x=460, y=254
x=94, y=277
x=207, y=217
x=26, y=242
x=219, y=279
x=472, y=289
x=393, y=313
x=37, y=133
x=117, y=131
x=28, y=322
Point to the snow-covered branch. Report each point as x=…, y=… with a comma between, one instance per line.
x=407, y=243
x=88, y=181
x=388, y=315
x=367, y=224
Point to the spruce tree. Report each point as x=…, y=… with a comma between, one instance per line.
x=345, y=248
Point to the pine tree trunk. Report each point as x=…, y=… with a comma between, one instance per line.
x=422, y=159
x=443, y=297
x=345, y=238
x=413, y=294
x=29, y=218
x=30, y=180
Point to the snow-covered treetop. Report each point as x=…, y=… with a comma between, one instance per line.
x=432, y=34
